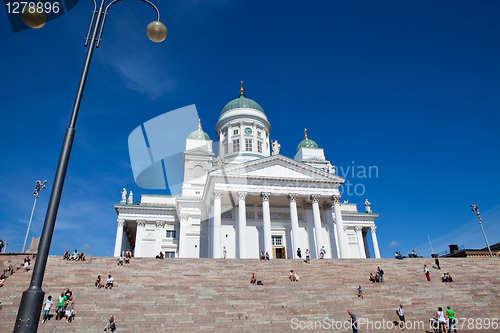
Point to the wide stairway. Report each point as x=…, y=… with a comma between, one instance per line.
x=197, y=295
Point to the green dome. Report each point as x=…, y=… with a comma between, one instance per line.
x=307, y=143
x=199, y=134
x=242, y=102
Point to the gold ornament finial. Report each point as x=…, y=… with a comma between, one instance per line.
x=305, y=132
x=199, y=124
x=241, y=88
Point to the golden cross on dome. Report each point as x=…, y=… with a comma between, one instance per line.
x=199, y=124
x=305, y=132
x=241, y=88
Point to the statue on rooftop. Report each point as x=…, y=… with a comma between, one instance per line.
x=276, y=147
x=367, y=206
x=124, y=195
x=331, y=168
x=130, y=198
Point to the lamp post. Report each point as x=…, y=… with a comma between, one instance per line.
x=38, y=188
x=475, y=209
x=28, y=315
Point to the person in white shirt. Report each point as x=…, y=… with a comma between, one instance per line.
x=426, y=272
x=441, y=320
x=109, y=282
x=46, y=308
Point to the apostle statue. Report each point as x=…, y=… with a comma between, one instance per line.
x=276, y=147
x=367, y=206
x=130, y=198
x=331, y=168
x=219, y=161
x=124, y=195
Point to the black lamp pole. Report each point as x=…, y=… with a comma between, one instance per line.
x=28, y=315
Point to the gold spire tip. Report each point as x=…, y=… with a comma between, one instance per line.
x=199, y=124
x=241, y=88
x=305, y=132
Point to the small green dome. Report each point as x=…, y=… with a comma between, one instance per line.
x=307, y=143
x=242, y=102
x=199, y=134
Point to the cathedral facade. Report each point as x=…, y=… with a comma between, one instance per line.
x=247, y=200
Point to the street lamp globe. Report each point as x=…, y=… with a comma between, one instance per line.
x=33, y=20
x=157, y=31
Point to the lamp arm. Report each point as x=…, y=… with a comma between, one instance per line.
x=91, y=24
x=106, y=13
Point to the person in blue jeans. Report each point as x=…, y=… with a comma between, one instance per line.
x=46, y=308
x=354, y=323
x=451, y=319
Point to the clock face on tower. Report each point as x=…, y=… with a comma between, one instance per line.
x=248, y=130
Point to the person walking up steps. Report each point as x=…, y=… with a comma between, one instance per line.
x=46, y=308
x=426, y=272
x=360, y=292
x=399, y=312
x=451, y=319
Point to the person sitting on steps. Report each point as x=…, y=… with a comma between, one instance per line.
x=253, y=279
x=81, y=257
x=293, y=276
x=98, y=284
x=109, y=282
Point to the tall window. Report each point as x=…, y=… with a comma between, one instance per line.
x=235, y=132
x=248, y=145
x=236, y=146
x=225, y=148
x=259, y=146
x=259, y=134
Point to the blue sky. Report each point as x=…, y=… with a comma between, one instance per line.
x=411, y=87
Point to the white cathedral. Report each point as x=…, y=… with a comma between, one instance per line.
x=248, y=200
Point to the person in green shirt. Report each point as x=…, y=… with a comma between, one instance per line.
x=451, y=319
x=61, y=301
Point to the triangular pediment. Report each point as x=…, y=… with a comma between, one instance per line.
x=276, y=167
x=198, y=151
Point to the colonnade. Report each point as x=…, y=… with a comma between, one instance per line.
x=336, y=228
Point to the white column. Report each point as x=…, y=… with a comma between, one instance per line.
x=234, y=244
x=331, y=231
x=138, y=237
x=361, y=243
x=119, y=237
x=340, y=227
x=310, y=230
x=210, y=232
x=376, y=251
x=317, y=222
x=242, y=225
x=183, y=220
x=266, y=217
x=294, y=219
x=159, y=235
x=217, y=251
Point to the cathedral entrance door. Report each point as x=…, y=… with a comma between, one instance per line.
x=279, y=253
